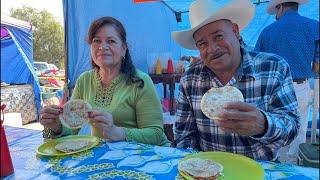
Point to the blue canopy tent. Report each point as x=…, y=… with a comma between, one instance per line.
x=17, y=55
x=148, y=26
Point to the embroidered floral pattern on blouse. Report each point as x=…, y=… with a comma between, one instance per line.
x=104, y=95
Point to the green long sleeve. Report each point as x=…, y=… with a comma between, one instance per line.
x=136, y=109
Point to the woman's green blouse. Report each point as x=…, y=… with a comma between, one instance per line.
x=136, y=109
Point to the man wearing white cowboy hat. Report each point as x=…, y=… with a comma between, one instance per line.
x=296, y=39
x=267, y=120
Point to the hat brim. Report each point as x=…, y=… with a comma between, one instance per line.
x=271, y=8
x=238, y=12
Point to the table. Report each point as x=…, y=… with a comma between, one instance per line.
x=118, y=160
x=16, y=133
x=167, y=79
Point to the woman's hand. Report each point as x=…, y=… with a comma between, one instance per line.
x=49, y=117
x=103, y=127
x=245, y=120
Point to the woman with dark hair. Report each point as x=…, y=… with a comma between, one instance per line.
x=125, y=103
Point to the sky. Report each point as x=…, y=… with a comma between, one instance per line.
x=52, y=6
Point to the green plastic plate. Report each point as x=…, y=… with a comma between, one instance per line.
x=48, y=148
x=235, y=166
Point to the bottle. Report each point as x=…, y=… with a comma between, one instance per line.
x=6, y=162
x=158, y=67
x=170, y=69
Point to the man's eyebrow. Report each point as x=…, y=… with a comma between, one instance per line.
x=215, y=32
x=199, y=41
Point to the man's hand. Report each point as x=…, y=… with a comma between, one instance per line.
x=243, y=119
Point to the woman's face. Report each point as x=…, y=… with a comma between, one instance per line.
x=107, y=49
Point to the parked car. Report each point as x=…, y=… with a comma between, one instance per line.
x=40, y=67
x=53, y=67
x=45, y=69
x=61, y=72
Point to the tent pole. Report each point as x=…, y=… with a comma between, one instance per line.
x=66, y=80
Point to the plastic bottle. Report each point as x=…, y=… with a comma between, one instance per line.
x=170, y=69
x=6, y=162
x=158, y=67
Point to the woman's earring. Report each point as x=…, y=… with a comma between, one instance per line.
x=122, y=58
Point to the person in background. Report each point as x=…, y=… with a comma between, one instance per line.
x=295, y=38
x=124, y=98
x=268, y=118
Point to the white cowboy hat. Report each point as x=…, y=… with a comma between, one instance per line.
x=271, y=8
x=203, y=12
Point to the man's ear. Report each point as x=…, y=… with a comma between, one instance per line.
x=235, y=29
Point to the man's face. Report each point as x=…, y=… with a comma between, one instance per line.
x=219, y=46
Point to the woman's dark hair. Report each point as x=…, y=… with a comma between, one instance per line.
x=127, y=66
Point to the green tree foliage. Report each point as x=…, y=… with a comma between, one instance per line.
x=48, y=34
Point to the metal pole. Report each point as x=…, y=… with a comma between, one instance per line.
x=315, y=111
x=66, y=81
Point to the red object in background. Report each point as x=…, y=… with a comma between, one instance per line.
x=170, y=69
x=166, y=104
x=140, y=1
x=54, y=82
x=3, y=106
x=6, y=162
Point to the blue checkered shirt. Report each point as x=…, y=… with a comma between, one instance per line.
x=265, y=80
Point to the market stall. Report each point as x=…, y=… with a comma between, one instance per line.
x=17, y=72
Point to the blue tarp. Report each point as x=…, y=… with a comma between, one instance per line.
x=17, y=56
x=148, y=26
x=261, y=19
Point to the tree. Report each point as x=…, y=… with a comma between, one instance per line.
x=48, y=34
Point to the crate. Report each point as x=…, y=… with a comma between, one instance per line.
x=308, y=155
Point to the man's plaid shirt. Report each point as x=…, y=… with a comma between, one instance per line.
x=265, y=80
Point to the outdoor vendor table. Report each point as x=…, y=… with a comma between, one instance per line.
x=119, y=160
x=167, y=79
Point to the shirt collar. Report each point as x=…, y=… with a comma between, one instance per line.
x=289, y=12
x=245, y=69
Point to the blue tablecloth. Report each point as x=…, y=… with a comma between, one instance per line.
x=15, y=133
x=119, y=160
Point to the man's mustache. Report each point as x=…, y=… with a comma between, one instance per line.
x=215, y=55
